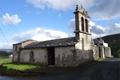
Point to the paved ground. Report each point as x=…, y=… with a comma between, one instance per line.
x=105, y=70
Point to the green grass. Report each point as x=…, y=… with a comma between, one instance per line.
x=6, y=62
x=4, y=59
x=21, y=67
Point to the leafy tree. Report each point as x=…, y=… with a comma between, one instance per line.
x=118, y=53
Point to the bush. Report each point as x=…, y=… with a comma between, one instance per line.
x=118, y=53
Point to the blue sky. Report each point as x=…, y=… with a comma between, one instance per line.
x=50, y=19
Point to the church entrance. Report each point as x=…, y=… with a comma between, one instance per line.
x=51, y=55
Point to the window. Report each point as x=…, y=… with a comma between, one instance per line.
x=82, y=23
x=86, y=24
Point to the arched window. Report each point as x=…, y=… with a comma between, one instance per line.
x=86, y=25
x=82, y=23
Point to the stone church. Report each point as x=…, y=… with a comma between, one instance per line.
x=64, y=52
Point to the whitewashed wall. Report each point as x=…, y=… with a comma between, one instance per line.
x=96, y=52
x=101, y=52
x=107, y=52
x=86, y=43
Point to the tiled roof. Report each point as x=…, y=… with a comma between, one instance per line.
x=98, y=41
x=24, y=41
x=53, y=43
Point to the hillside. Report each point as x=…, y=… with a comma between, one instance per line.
x=5, y=52
x=114, y=43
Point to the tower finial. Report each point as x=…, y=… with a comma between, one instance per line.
x=77, y=7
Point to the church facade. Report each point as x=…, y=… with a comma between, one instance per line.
x=70, y=51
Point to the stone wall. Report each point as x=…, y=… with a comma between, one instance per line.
x=39, y=56
x=64, y=56
x=95, y=52
x=69, y=56
x=15, y=57
x=24, y=56
x=16, y=51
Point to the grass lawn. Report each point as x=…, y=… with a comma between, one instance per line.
x=4, y=59
x=20, y=67
x=6, y=62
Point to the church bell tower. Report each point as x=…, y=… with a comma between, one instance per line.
x=82, y=28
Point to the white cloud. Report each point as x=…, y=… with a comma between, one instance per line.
x=59, y=4
x=113, y=28
x=103, y=9
x=5, y=45
x=91, y=23
x=99, y=31
x=49, y=34
x=10, y=19
x=72, y=25
x=100, y=9
x=39, y=34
